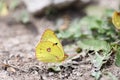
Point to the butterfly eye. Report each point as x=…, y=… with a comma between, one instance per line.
x=49, y=49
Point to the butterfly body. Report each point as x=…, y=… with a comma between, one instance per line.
x=49, y=49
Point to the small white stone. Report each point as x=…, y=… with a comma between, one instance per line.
x=34, y=6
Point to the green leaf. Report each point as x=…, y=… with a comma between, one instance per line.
x=76, y=29
x=1, y=5
x=98, y=60
x=117, y=57
x=113, y=77
x=14, y=4
x=64, y=34
x=24, y=17
x=55, y=68
x=93, y=44
x=96, y=74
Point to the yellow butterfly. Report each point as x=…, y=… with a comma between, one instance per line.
x=3, y=9
x=116, y=19
x=49, y=49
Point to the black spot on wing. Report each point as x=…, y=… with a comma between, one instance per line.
x=55, y=44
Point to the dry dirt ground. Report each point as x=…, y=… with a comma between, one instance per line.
x=18, y=62
x=17, y=55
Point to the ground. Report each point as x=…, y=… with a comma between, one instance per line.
x=18, y=61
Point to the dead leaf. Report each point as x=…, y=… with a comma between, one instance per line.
x=66, y=22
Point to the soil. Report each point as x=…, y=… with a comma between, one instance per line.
x=18, y=61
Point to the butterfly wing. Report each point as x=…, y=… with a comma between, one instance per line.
x=49, y=35
x=116, y=19
x=46, y=51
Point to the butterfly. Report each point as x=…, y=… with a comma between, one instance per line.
x=49, y=49
x=116, y=19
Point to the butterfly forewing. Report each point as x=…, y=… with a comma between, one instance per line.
x=49, y=35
